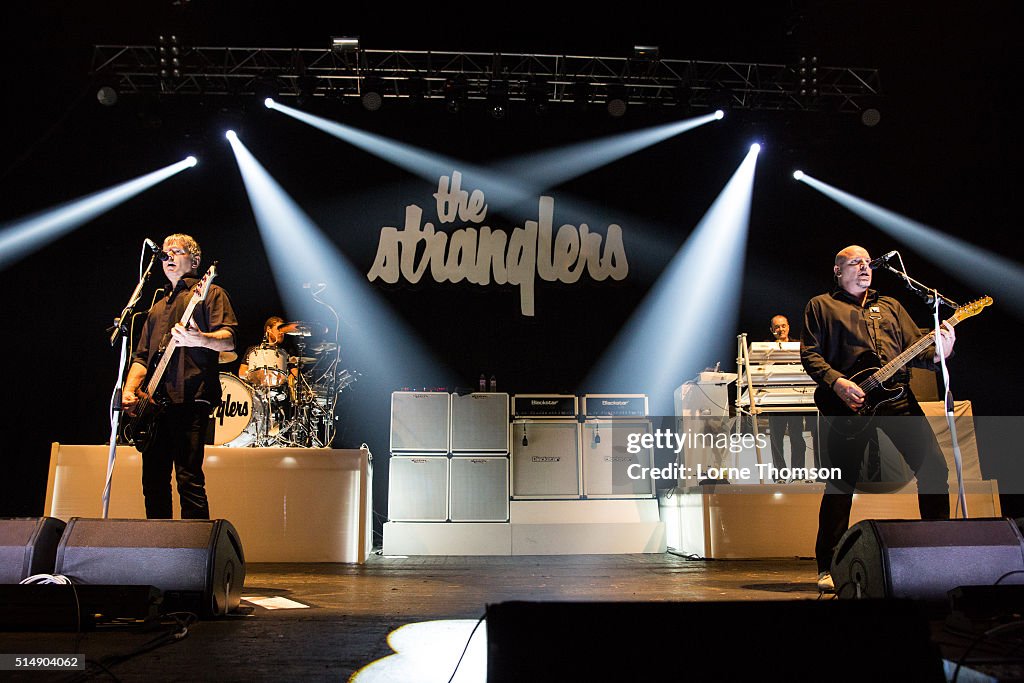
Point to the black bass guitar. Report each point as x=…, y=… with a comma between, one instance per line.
x=871, y=376
x=138, y=429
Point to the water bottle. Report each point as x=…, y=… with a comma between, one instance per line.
x=494, y=384
x=483, y=382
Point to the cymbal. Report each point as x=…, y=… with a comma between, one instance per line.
x=294, y=360
x=300, y=328
x=324, y=347
x=225, y=357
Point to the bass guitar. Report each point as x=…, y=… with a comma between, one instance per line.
x=871, y=376
x=138, y=430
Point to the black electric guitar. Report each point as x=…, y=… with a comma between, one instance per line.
x=138, y=429
x=871, y=376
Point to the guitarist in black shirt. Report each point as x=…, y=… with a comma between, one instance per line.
x=841, y=330
x=187, y=383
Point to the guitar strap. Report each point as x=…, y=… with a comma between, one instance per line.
x=875, y=315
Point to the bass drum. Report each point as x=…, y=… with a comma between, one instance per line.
x=239, y=415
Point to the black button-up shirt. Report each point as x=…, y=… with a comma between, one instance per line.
x=193, y=373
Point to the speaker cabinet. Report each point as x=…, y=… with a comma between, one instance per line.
x=28, y=546
x=839, y=640
x=608, y=462
x=924, y=559
x=479, y=489
x=480, y=423
x=197, y=563
x=420, y=421
x=418, y=488
x=545, y=459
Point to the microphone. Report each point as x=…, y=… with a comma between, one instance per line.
x=157, y=251
x=881, y=260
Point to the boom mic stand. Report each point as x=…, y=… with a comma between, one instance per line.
x=934, y=298
x=119, y=332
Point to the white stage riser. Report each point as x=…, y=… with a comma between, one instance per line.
x=771, y=521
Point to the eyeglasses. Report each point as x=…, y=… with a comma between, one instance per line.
x=176, y=251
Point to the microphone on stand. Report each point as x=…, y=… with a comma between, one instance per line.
x=881, y=260
x=157, y=251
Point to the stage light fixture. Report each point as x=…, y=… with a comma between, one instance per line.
x=497, y=98
x=416, y=88
x=537, y=96
x=580, y=93
x=455, y=94
x=371, y=97
x=191, y=161
x=617, y=101
x=645, y=51
x=755, y=148
x=345, y=43
x=870, y=117
x=230, y=135
x=269, y=102
x=106, y=95
x=719, y=114
x=798, y=175
x=266, y=87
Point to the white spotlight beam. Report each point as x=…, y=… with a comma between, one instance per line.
x=987, y=272
x=692, y=310
x=26, y=235
x=300, y=254
x=554, y=167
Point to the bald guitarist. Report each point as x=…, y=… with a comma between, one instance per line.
x=841, y=329
x=178, y=352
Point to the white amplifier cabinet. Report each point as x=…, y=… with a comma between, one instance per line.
x=420, y=421
x=545, y=459
x=545, y=405
x=480, y=423
x=479, y=488
x=418, y=488
x=615, y=405
x=606, y=446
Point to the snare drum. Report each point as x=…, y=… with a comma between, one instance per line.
x=267, y=366
x=237, y=418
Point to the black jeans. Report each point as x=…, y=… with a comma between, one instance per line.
x=178, y=442
x=778, y=425
x=908, y=429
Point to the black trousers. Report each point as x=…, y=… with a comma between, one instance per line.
x=908, y=429
x=778, y=425
x=178, y=443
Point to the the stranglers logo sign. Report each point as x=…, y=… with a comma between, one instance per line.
x=478, y=254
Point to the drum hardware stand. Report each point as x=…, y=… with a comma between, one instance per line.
x=119, y=332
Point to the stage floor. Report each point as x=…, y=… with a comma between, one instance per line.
x=352, y=609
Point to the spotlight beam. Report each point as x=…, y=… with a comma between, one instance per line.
x=300, y=253
x=989, y=273
x=24, y=236
x=693, y=308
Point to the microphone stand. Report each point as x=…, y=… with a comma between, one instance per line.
x=119, y=332
x=935, y=298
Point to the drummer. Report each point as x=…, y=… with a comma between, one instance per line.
x=274, y=330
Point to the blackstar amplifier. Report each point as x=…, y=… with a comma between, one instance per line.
x=545, y=405
x=615, y=405
x=545, y=458
x=614, y=463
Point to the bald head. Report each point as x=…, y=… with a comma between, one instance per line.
x=852, y=270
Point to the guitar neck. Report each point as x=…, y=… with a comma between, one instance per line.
x=908, y=354
x=161, y=367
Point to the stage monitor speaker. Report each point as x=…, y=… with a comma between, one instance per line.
x=479, y=488
x=545, y=459
x=836, y=640
x=197, y=563
x=607, y=460
x=480, y=423
x=925, y=559
x=420, y=421
x=28, y=546
x=418, y=488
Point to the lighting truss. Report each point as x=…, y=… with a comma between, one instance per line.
x=413, y=75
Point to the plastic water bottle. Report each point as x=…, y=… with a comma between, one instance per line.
x=483, y=382
x=494, y=384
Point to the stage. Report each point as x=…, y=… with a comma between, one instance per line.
x=352, y=608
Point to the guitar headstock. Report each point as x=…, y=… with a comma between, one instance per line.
x=202, y=288
x=973, y=308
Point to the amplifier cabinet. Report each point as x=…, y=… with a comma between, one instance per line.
x=545, y=459
x=480, y=423
x=479, y=488
x=608, y=462
x=545, y=406
x=418, y=488
x=420, y=421
x=615, y=405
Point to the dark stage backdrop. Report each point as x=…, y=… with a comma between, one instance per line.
x=947, y=165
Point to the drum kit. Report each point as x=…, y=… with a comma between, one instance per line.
x=283, y=400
